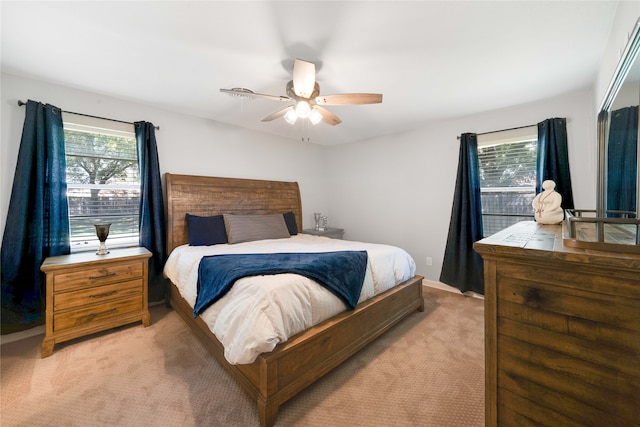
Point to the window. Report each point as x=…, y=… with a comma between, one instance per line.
x=103, y=181
x=507, y=177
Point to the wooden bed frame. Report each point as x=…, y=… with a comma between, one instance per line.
x=277, y=376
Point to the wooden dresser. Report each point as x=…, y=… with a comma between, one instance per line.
x=87, y=293
x=562, y=331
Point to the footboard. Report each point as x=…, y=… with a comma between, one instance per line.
x=292, y=366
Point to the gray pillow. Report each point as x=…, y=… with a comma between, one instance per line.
x=247, y=228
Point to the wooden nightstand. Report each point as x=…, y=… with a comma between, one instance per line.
x=88, y=293
x=334, y=233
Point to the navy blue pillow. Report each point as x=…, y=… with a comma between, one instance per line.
x=206, y=230
x=290, y=220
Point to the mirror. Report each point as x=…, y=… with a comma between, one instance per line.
x=618, y=193
x=616, y=224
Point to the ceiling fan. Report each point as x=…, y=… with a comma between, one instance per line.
x=305, y=92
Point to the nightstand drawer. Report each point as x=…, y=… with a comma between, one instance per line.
x=99, y=294
x=95, y=314
x=97, y=276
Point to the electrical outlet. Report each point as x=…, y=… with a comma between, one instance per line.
x=429, y=260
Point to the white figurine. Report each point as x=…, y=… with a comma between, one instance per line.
x=547, y=204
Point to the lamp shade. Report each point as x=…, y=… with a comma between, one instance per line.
x=315, y=117
x=303, y=109
x=290, y=116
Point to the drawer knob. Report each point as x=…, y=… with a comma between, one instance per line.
x=102, y=295
x=102, y=277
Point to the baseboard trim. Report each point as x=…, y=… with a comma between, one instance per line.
x=17, y=336
x=444, y=287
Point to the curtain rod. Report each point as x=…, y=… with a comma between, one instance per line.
x=503, y=130
x=21, y=103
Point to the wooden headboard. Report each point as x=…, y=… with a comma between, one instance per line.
x=207, y=196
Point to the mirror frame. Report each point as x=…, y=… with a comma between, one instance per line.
x=629, y=56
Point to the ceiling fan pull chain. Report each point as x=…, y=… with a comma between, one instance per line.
x=307, y=127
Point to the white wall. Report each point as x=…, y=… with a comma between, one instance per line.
x=186, y=144
x=395, y=190
x=399, y=190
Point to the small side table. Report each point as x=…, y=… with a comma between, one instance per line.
x=334, y=233
x=88, y=293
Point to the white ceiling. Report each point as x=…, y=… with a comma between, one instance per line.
x=432, y=60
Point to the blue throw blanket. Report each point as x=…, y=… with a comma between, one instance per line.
x=341, y=272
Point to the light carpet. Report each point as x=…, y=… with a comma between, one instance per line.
x=426, y=371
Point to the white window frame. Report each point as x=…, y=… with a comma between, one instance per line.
x=82, y=123
x=510, y=136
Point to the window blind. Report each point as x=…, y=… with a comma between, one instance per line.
x=508, y=165
x=103, y=181
x=507, y=177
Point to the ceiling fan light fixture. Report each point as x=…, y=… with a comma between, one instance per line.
x=303, y=109
x=303, y=92
x=290, y=116
x=315, y=117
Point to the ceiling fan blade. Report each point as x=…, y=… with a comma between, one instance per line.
x=349, y=99
x=246, y=93
x=328, y=117
x=275, y=115
x=304, y=78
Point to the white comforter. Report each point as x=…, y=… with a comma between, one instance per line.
x=261, y=311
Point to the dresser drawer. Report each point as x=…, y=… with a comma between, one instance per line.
x=95, y=314
x=97, y=295
x=83, y=278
